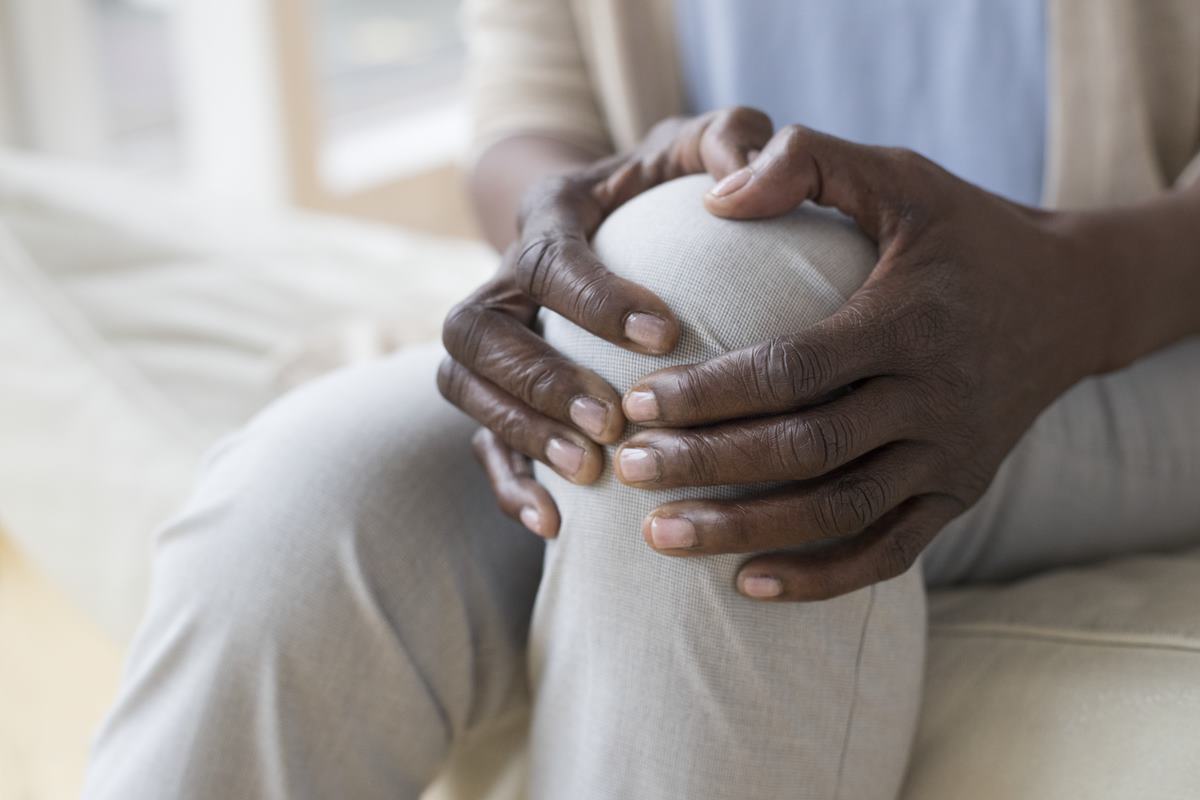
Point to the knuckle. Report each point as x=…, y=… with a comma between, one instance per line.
x=698, y=458
x=797, y=139
x=912, y=175
x=744, y=118
x=481, y=442
x=538, y=383
x=899, y=552
x=512, y=427
x=535, y=264
x=785, y=370
x=689, y=392
x=668, y=125
x=741, y=527
x=588, y=296
x=830, y=439
x=543, y=193
x=461, y=331
x=450, y=380
x=794, y=134
x=914, y=169
x=853, y=504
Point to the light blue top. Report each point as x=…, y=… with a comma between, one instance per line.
x=960, y=81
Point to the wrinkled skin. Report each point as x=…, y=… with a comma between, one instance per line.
x=533, y=402
x=979, y=313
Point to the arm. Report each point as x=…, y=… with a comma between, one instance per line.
x=533, y=109
x=507, y=170
x=1148, y=257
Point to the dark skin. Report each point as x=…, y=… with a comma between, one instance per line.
x=884, y=421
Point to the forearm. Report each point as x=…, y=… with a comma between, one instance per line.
x=507, y=169
x=1148, y=257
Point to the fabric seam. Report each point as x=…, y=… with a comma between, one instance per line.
x=1065, y=636
x=858, y=659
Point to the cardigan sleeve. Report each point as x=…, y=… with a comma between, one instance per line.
x=526, y=73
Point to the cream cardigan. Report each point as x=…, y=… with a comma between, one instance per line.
x=1124, y=93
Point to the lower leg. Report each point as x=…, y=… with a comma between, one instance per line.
x=653, y=677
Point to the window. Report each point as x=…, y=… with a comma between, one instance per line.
x=140, y=116
x=387, y=74
x=330, y=104
x=378, y=58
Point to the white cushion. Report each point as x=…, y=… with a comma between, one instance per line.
x=137, y=326
x=1077, y=683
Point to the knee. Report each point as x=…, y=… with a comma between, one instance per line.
x=732, y=283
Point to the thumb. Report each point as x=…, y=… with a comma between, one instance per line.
x=718, y=142
x=800, y=164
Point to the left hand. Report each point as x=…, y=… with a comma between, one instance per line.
x=978, y=314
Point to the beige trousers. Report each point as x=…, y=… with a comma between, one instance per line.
x=339, y=607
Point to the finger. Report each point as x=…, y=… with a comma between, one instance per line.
x=517, y=493
x=568, y=452
x=888, y=550
x=556, y=268
x=795, y=446
x=719, y=142
x=732, y=139
x=507, y=353
x=800, y=164
x=840, y=506
x=783, y=374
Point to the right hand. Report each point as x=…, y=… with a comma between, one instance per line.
x=532, y=401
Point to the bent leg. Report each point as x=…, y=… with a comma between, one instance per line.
x=338, y=603
x=653, y=678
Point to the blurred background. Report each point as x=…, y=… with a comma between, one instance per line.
x=346, y=106
x=202, y=202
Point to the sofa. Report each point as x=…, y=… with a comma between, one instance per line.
x=139, y=325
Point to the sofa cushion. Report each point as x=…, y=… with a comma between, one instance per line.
x=1077, y=683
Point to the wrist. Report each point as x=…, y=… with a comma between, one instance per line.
x=1139, y=268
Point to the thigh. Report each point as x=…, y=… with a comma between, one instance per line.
x=653, y=678
x=338, y=604
x=1112, y=467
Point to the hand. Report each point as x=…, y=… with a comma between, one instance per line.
x=533, y=402
x=977, y=315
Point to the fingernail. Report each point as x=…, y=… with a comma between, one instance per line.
x=672, y=533
x=732, y=182
x=761, y=586
x=641, y=406
x=567, y=457
x=637, y=465
x=589, y=414
x=531, y=519
x=648, y=330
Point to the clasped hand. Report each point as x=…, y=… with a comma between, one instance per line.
x=977, y=315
